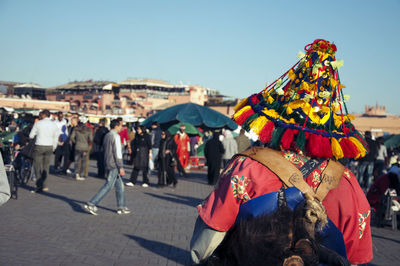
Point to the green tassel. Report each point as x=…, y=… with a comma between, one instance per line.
x=276, y=137
x=246, y=124
x=301, y=140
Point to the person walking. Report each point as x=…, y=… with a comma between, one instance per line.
x=115, y=171
x=98, y=140
x=213, y=152
x=243, y=142
x=165, y=160
x=141, y=153
x=230, y=147
x=46, y=133
x=61, y=124
x=82, y=138
x=69, y=149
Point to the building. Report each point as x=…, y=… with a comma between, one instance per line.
x=30, y=91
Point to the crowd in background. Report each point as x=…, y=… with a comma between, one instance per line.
x=149, y=150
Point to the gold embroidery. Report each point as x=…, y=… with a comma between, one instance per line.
x=238, y=185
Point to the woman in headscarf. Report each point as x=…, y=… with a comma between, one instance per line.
x=141, y=151
x=230, y=146
x=213, y=152
x=166, y=160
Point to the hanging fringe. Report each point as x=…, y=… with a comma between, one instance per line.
x=266, y=132
x=287, y=138
x=361, y=150
x=336, y=149
x=240, y=104
x=243, y=114
x=350, y=150
x=258, y=124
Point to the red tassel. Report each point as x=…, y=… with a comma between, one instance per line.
x=243, y=117
x=287, y=138
x=318, y=146
x=254, y=99
x=349, y=148
x=326, y=148
x=266, y=132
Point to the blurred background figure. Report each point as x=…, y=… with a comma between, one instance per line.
x=98, y=141
x=166, y=160
x=243, y=142
x=69, y=149
x=141, y=153
x=183, y=146
x=82, y=137
x=381, y=158
x=366, y=164
x=61, y=124
x=155, y=140
x=230, y=147
x=213, y=152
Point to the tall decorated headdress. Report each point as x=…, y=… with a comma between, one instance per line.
x=305, y=108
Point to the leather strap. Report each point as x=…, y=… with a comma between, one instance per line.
x=291, y=176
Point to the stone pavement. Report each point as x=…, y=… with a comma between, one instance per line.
x=52, y=228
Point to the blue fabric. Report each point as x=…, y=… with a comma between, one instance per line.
x=331, y=237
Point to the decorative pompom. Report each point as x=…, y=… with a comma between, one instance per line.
x=258, y=124
x=287, y=138
x=336, y=149
x=318, y=146
x=349, y=149
x=266, y=132
x=241, y=116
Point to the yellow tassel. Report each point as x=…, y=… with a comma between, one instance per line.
x=362, y=151
x=240, y=104
x=336, y=149
x=258, y=124
x=241, y=111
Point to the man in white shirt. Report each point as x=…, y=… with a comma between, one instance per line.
x=63, y=135
x=46, y=133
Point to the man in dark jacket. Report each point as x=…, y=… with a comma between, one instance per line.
x=213, y=152
x=115, y=168
x=98, y=140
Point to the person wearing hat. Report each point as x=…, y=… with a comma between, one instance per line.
x=183, y=146
x=301, y=118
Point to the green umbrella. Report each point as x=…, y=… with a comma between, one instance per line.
x=197, y=115
x=189, y=129
x=393, y=141
x=200, y=150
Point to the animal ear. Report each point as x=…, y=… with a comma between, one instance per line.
x=293, y=261
x=304, y=246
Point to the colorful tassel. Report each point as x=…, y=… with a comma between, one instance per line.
x=249, y=120
x=361, y=150
x=266, y=132
x=241, y=116
x=301, y=140
x=276, y=137
x=349, y=149
x=258, y=124
x=287, y=138
x=240, y=104
x=336, y=149
x=325, y=149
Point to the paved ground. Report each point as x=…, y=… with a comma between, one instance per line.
x=52, y=229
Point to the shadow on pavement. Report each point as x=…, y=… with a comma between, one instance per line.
x=386, y=238
x=170, y=252
x=178, y=199
x=76, y=205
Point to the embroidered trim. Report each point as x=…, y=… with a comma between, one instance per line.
x=238, y=185
x=362, y=223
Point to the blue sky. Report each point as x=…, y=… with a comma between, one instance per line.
x=232, y=46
